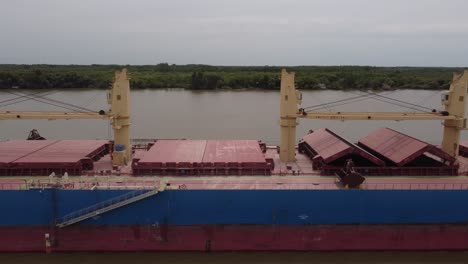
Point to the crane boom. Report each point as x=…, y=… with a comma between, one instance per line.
x=343, y=116
x=15, y=115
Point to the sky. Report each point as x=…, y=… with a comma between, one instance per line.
x=236, y=32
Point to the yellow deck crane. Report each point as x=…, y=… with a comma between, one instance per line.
x=453, y=116
x=118, y=98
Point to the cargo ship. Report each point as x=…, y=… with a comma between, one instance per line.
x=388, y=191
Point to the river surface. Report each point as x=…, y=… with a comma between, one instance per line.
x=242, y=258
x=225, y=114
x=176, y=113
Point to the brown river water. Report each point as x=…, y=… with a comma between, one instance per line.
x=244, y=258
x=177, y=113
x=226, y=114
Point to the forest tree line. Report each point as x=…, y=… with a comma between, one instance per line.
x=165, y=75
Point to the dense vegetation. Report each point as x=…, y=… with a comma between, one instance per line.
x=214, y=77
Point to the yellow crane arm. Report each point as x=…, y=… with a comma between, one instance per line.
x=397, y=116
x=16, y=115
x=453, y=116
x=119, y=116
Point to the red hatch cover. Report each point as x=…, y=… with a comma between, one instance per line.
x=202, y=157
x=240, y=152
x=328, y=147
x=398, y=148
x=40, y=157
x=12, y=150
x=174, y=151
x=463, y=150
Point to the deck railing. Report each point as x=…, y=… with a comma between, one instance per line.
x=112, y=184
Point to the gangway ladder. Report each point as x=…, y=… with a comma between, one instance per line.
x=106, y=206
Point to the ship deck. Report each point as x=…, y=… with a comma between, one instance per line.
x=298, y=175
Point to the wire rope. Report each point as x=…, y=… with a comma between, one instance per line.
x=400, y=101
x=370, y=95
x=23, y=96
x=52, y=104
x=55, y=103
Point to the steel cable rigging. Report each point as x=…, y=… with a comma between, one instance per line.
x=399, y=101
x=23, y=96
x=338, y=103
x=370, y=95
x=47, y=101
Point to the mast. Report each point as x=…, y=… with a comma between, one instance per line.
x=290, y=99
x=119, y=99
x=455, y=104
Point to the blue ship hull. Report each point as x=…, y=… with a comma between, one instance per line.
x=239, y=220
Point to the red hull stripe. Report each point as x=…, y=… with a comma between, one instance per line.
x=235, y=238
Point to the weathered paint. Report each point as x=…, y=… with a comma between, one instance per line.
x=238, y=219
x=331, y=147
x=164, y=237
x=399, y=149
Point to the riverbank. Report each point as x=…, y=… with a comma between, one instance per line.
x=231, y=77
